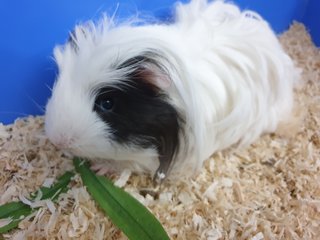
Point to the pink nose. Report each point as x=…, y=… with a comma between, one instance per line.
x=60, y=145
x=62, y=142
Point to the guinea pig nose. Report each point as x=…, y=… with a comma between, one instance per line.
x=60, y=145
x=62, y=142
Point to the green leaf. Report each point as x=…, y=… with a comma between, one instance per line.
x=17, y=211
x=125, y=212
x=59, y=187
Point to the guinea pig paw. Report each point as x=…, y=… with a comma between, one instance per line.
x=104, y=168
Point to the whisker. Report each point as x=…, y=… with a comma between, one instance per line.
x=39, y=107
x=49, y=87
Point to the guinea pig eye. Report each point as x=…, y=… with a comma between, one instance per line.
x=104, y=105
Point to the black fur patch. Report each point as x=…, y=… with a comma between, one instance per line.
x=140, y=113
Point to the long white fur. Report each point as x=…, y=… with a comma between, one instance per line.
x=229, y=75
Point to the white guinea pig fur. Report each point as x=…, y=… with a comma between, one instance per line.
x=165, y=97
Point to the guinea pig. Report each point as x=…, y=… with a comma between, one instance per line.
x=165, y=97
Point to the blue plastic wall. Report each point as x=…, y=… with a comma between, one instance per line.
x=311, y=19
x=30, y=29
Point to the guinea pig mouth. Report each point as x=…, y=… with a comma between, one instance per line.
x=67, y=154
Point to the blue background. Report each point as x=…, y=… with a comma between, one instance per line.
x=30, y=29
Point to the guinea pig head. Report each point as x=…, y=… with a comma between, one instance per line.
x=113, y=108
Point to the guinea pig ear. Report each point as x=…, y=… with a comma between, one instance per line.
x=148, y=70
x=156, y=76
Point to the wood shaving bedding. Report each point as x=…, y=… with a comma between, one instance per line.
x=270, y=190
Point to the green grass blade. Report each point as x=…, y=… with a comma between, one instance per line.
x=59, y=187
x=13, y=209
x=17, y=211
x=125, y=212
x=141, y=214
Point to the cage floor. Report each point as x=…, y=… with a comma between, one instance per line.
x=270, y=190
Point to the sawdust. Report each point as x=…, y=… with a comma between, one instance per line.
x=270, y=190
